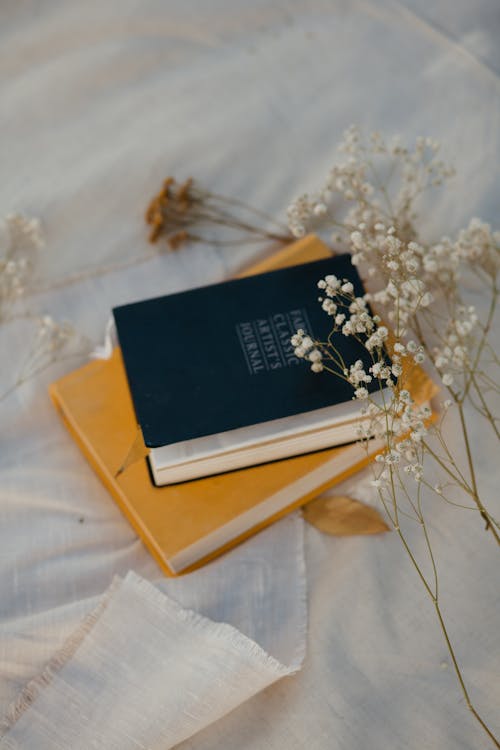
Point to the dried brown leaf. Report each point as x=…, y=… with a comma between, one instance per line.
x=340, y=515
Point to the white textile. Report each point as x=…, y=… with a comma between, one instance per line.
x=100, y=101
x=141, y=670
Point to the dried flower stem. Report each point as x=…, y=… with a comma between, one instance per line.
x=25, y=378
x=459, y=398
x=419, y=291
x=91, y=273
x=181, y=210
x=489, y=521
x=21, y=241
x=177, y=214
x=431, y=589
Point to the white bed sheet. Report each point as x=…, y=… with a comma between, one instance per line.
x=99, y=102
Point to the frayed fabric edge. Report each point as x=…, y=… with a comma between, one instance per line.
x=221, y=630
x=169, y=606
x=32, y=689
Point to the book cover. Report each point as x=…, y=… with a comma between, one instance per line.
x=218, y=358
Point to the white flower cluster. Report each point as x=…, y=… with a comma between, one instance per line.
x=53, y=341
x=369, y=202
x=478, y=244
x=298, y=214
x=352, y=316
x=19, y=238
x=453, y=356
x=413, y=281
x=355, y=181
x=404, y=439
x=437, y=265
x=305, y=348
x=53, y=336
x=395, y=419
x=358, y=377
x=406, y=290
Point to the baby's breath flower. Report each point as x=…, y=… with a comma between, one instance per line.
x=315, y=356
x=361, y=393
x=319, y=209
x=329, y=306
x=416, y=291
x=20, y=241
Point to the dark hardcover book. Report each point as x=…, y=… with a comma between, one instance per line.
x=215, y=360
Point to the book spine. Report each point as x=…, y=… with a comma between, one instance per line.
x=303, y=500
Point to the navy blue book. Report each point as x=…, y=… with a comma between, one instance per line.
x=214, y=379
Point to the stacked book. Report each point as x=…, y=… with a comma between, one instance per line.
x=230, y=431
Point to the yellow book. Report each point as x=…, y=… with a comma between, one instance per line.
x=187, y=524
